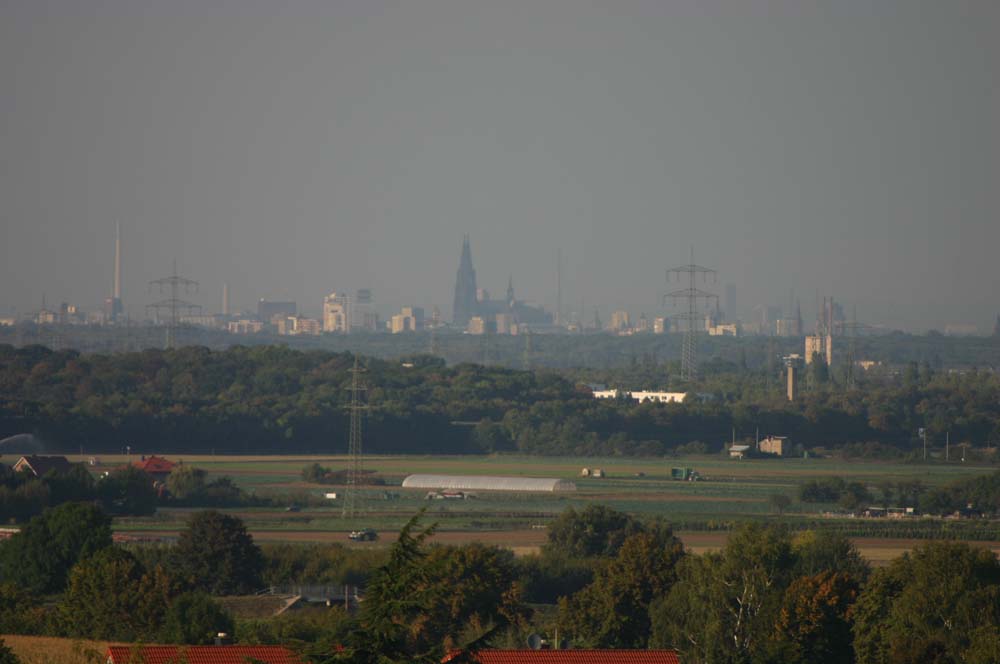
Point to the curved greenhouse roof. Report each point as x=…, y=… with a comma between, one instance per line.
x=487, y=483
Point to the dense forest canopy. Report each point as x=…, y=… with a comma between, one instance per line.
x=275, y=399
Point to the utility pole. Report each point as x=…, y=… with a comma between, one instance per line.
x=355, y=460
x=174, y=305
x=693, y=296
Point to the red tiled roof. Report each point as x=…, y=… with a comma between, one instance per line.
x=155, y=464
x=576, y=657
x=200, y=655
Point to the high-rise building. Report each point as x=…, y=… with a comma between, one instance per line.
x=268, y=309
x=996, y=327
x=620, y=321
x=363, y=315
x=409, y=319
x=821, y=344
x=337, y=313
x=465, y=302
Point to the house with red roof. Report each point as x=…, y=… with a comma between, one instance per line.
x=573, y=657
x=200, y=655
x=156, y=467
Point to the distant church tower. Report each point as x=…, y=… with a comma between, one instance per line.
x=465, y=288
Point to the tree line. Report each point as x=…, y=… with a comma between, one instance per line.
x=766, y=596
x=274, y=399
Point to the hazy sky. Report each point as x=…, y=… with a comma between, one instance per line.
x=295, y=148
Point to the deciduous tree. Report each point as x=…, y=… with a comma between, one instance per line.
x=215, y=553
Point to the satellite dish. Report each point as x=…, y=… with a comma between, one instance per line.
x=535, y=642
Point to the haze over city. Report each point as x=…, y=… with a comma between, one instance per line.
x=294, y=150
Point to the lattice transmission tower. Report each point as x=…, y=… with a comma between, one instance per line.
x=355, y=458
x=173, y=305
x=693, y=296
x=852, y=329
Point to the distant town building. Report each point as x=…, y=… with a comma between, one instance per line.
x=961, y=330
x=245, y=326
x=724, y=330
x=821, y=345
x=363, y=316
x=203, y=320
x=660, y=325
x=642, y=325
x=506, y=324
x=298, y=325
x=476, y=325
x=620, y=321
x=268, y=309
x=409, y=319
x=337, y=313
x=788, y=327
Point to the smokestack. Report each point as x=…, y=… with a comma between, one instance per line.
x=225, y=298
x=118, y=261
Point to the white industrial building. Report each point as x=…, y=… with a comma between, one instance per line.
x=487, y=483
x=640, y=396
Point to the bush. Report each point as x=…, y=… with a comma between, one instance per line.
x=195, y=619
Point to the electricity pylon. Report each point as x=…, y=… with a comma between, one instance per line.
x=852, y=330
x=693, y=296
x=355, y=460
x=174, y=305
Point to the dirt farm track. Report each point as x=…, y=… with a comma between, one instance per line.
x=878, y=551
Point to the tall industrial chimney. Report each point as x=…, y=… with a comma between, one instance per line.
x=118, y=261
x=225, y=298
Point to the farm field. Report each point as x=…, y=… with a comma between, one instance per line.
x=52, y=650
x=732, y=491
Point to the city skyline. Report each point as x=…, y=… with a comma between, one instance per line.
x=290, y=153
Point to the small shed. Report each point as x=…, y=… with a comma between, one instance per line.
x=739, y=451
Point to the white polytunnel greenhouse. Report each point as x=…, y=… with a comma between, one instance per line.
x=487, y=483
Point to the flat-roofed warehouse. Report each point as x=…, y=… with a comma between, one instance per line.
x=487, y=483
